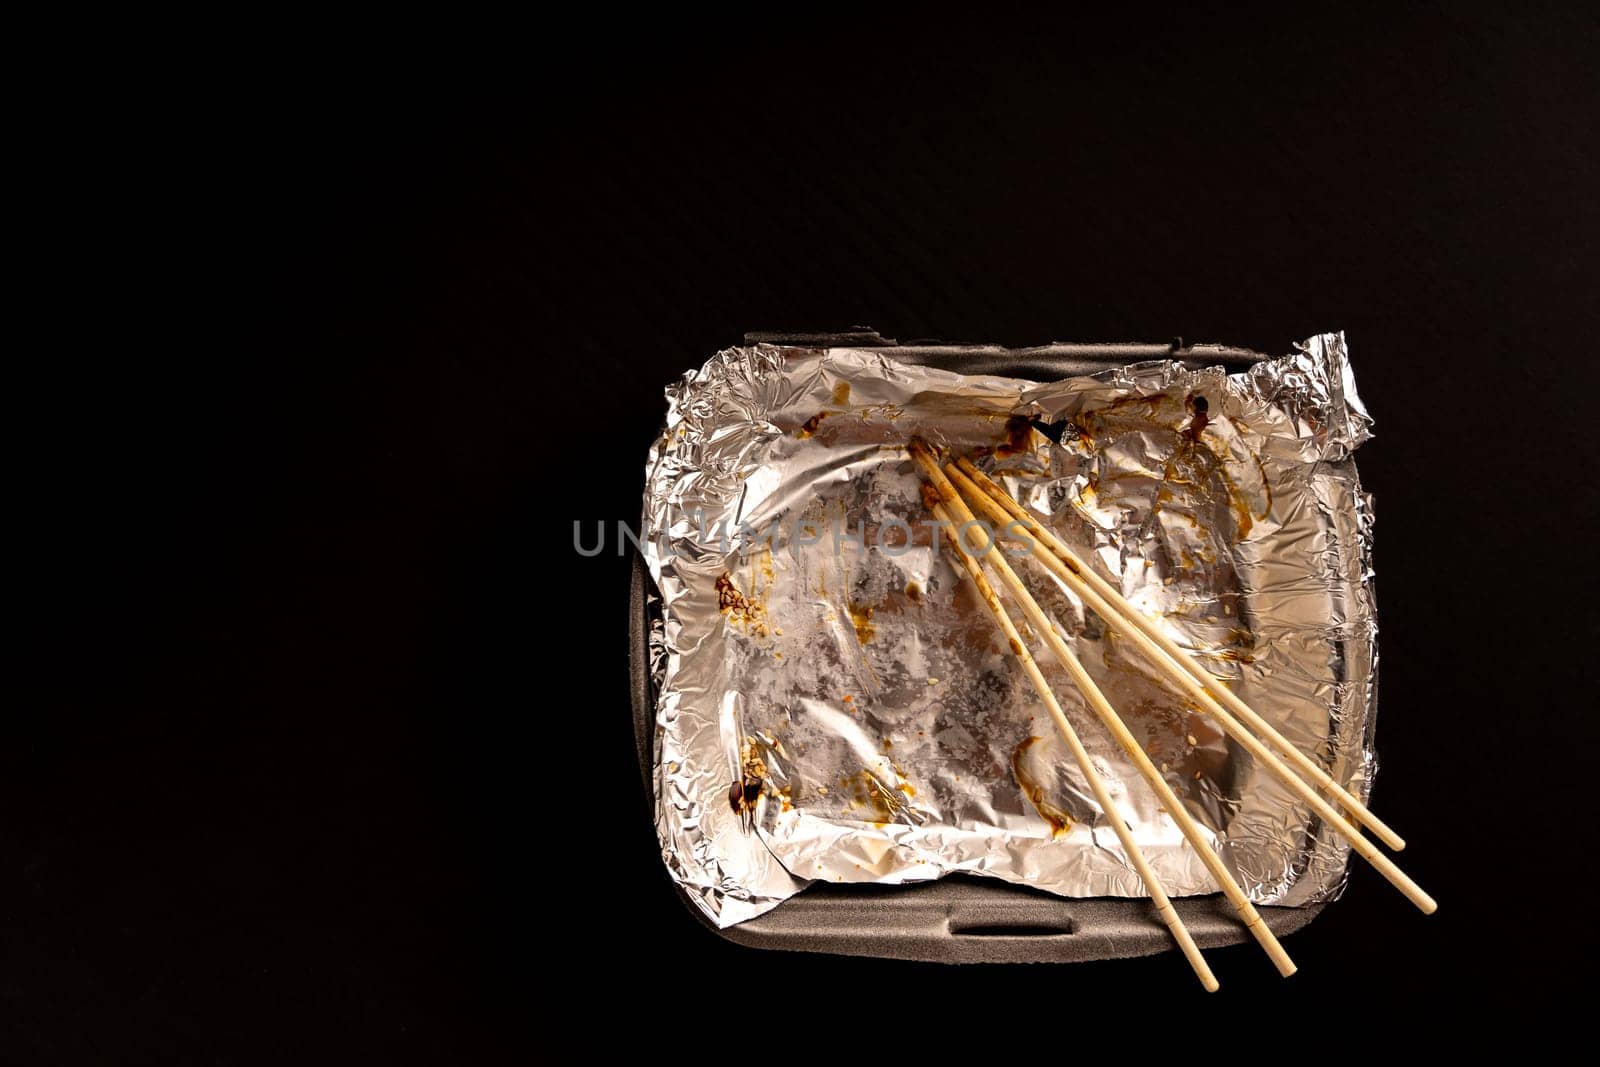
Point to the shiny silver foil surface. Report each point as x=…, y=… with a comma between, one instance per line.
x=834, y=704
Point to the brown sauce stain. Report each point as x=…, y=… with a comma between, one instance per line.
x=1193, y=463
x=1201, y=409
x=861, y=618
x=1266, y=484
x=841, y=393
x=1018, y=439
x=914, y=592
x=1244, y=516
x=810, y=426
x=1060, y=822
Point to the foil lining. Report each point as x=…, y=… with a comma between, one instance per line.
x=832, y=703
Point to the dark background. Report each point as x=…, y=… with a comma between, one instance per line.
x=323, y=744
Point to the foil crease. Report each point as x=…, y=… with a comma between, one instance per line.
x=832, y=704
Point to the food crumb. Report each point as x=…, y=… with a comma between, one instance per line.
x=933, y=681
x=1192, y=741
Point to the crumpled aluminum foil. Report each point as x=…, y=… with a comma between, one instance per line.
x=832, y=702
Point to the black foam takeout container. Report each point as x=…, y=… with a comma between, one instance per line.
x=962, y=919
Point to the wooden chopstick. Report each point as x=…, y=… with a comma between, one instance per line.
x=1096, y=699
x=1073, y=572
x=1150, y=629
x=1019, y=651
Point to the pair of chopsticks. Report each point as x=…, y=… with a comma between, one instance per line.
x=947, y=493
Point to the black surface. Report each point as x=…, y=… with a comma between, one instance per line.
x=326, y=315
